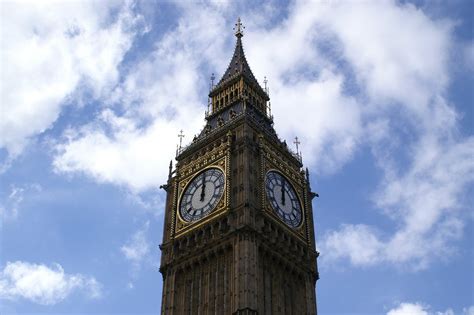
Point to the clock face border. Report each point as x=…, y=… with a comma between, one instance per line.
x=271, y=208
x=214, y=211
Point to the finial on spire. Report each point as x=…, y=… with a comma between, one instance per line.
x=265, y=81
x=209, y=100
x=213, y=77
x=297, y=143
x=181, y=136
x=239, y=28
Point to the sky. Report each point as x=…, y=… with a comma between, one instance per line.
x=94, y=94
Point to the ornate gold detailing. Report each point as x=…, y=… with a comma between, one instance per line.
x=203, y=157
x=272, y=159
x=199, y=166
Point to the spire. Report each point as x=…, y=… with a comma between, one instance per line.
x=238, y=65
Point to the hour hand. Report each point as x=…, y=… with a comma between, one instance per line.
x=203, y=188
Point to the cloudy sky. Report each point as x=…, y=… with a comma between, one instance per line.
x=93, y=95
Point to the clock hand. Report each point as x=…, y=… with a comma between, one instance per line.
x=203, y=190
x=283, y=191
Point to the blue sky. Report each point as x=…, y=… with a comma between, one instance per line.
x=93, y=95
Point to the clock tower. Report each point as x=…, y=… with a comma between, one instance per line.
x=238, y=233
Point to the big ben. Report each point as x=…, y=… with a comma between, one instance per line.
x=238, y=233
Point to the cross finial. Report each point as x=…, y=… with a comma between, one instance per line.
x=297, y=143
x=239, y=28
x=181, y=136
x=213, y=77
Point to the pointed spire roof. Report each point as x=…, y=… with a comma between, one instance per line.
x=238, y=65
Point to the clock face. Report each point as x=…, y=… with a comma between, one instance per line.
x=283, y=199
x=202, y=194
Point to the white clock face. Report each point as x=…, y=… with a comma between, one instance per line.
x=202, y=194
x=283, y=199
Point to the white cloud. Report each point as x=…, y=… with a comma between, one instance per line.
x=425, y=202
x=158, y=97
x=137, y=251
x=46, y=57
x=150, y=202
x=131, y=156
x=42, y=284
x=427, y=199
x=329, y=137
x=468, y=310
x=137, y=248
x=407, y=308
x=357, y=241
x=10, y=203
x=9, y=207
x=404, y=62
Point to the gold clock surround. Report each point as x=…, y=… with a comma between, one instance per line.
x=272, y=161
x=183, y=226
